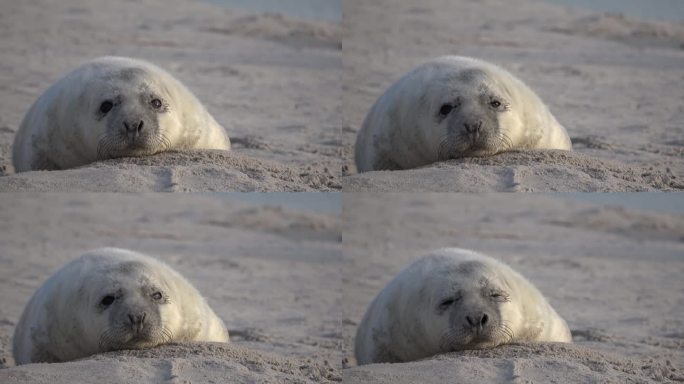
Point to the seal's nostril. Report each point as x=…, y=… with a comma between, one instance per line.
x=473, y=128
x=470, y=321
x=484, y=319
x=134, y=127
x=137, y=320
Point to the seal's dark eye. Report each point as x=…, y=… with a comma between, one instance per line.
x=495, y=103
x=157, y=296
x=156, y=103
x=106, y=106
x=107, y=300
x=445, y=109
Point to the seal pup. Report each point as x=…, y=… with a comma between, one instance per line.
x=112, y=107
x=453, y=107
x=110, y=299
x=450, y=300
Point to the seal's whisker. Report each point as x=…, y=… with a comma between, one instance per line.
x=444, y=148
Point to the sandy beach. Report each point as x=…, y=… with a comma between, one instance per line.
x=292, y=274
x=612, y=272
x=614, y=82
x=273, y=82
x=267, y=270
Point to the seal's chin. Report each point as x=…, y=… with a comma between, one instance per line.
x=480, y=150
x=472, y=150
x=140, y=343
x=131, y=341
x=477, y=343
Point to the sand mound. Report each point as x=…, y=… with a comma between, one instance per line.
x=544, y=363
x=190, y=171
x=528, y=171
x=177, y=363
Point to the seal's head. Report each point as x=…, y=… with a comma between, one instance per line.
x=469, y=309
x=129, y=109
x=131, y=306
x=471, y=113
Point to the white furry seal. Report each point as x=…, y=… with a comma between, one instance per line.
x=454, y=299
x=453, y=107
x=110, y=299
x=112, y=107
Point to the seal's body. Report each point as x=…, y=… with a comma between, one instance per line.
x=454, y=299
x=112, y=107
x=110, y=299
x=453, y=107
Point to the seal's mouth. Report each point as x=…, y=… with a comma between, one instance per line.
x=478, y=342
x=115, y=146
x=139, y=341
x=464, y=338
x=462, y=144
x=480, y=149
x=114, y=339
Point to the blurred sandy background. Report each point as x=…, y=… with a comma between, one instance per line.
x=615, y=83
x=612, y=269
x=273, y=81
x=269, y=266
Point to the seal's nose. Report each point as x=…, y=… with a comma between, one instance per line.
x=473, y=127
x=133, y=126
x=137, y=321
x=477, y=320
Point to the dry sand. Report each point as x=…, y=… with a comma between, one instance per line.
x=270, y=272
x=615, y=83
x=271, y=81
x=613, y=273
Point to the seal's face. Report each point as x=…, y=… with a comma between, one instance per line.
x=129, y=112
x=470, y=309
x=471, y=112
x=130, y=305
